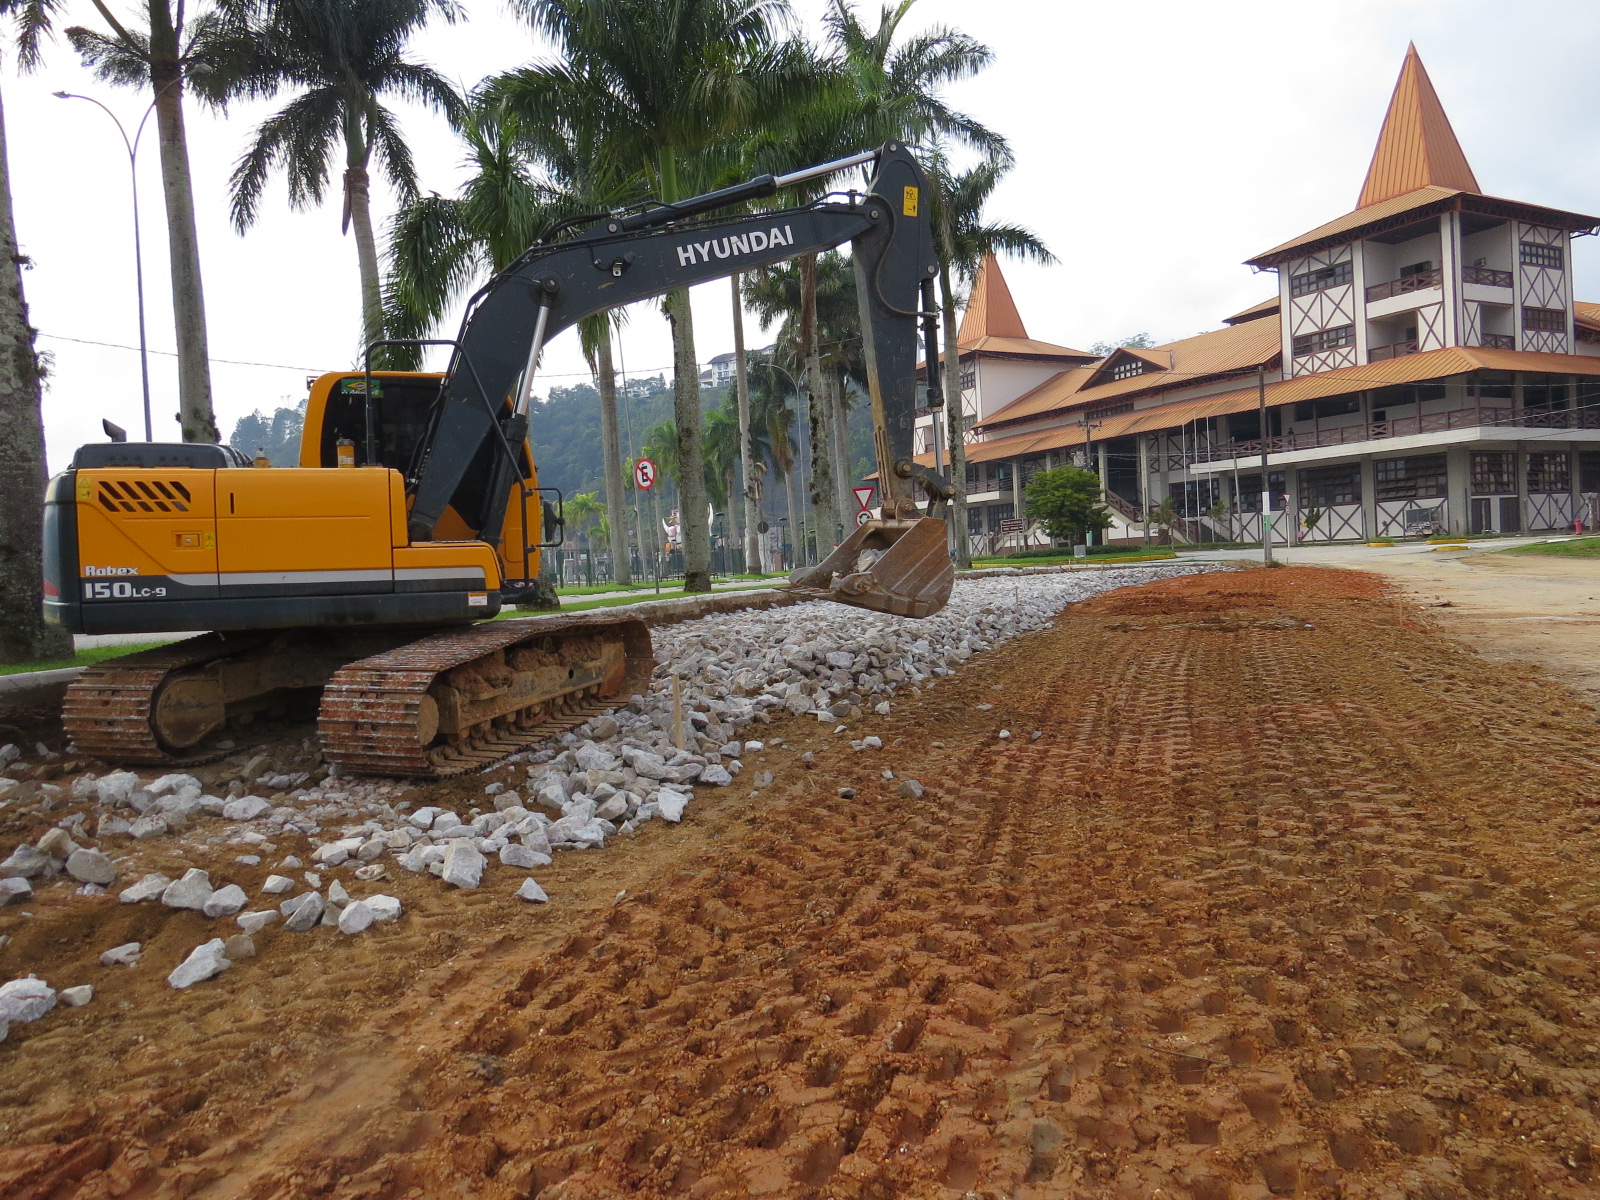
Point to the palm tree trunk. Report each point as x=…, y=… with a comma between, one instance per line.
x=824, y=491
x=841, y=450
x=358, y=213
x=691, y=456
x=198, y=421
x=957, y=439
x=747, y=467
x=24, y=636
x=797, y=511
x=611, y=453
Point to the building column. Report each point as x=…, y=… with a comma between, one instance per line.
x=1142, y=442
x=1521, y=460
x=1369, y=498
x=1287, y=524
x=1458, y=489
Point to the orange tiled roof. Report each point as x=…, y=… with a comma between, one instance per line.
x=1416, y=148
x=1254, y=312
x=1586, y=314
x=1410, y=368
x=1029, y=347
x=990, y=312
x=1187, y=361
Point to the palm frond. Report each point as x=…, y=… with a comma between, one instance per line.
x=300, y=138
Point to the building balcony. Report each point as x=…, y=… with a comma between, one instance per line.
x=1419, y=282
x=1499, y=341
x=1392, y=350
x=1399, y=427
x=1486, y=276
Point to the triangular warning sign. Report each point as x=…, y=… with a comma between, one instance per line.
x=863, y=496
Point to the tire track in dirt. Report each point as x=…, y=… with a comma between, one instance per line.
x=1290, y=897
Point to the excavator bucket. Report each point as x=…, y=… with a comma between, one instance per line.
x=899, y=567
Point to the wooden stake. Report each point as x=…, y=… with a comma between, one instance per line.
x=677, y=711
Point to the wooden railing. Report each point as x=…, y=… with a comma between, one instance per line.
x=1392, y=350
x=1460, y=418
x=1500, y=341
x=1487, y=276
x=1421, y=281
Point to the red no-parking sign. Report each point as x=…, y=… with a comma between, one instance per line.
x=644, y=474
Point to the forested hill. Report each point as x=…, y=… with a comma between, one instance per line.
x=564, y=428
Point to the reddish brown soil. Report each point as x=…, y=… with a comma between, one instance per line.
x=1290, y=897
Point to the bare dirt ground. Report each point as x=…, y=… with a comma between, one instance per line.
x=1290, y=896
x=1514, y=608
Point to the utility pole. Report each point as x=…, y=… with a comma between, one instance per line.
x=1266, y=487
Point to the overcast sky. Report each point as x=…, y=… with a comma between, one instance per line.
x=1158, y=145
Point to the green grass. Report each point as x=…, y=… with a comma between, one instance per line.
x=1095, y=560
x=1579, y=548
x=83, y=658
x=649, y=585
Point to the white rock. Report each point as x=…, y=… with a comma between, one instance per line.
x=423, y=817
x=77, y=997
x=26, y=862
x=910, y=789
x=383, y=908
x=147, y=827
x=192, y=891
x=203, y=962
x=90, y=866
x=225, y=901
x=445, y=820
x=149, y=888
x=115, y=788
x=244, y=808
x=56, y=843
x=303, y=912
x=15, y=890
x=716, y=775
x=751, y=748
x=670, y=804
x=463, y=865
x=125, y=955
x=356, y=917
x=532, y=892
x=513, y=855
x=25, y=999
x=276, y=885
x=254, y=922
x=172, y=783
x=337, y=894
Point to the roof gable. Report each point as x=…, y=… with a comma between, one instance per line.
x=1416, y=148
x=991, y=312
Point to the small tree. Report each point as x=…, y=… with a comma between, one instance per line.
x=1066, y=501
x=1219, y=514
x=1164, y=516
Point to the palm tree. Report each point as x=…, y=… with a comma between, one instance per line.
x=673, y=84
x=24, y=637
x=167, y=54
x=440, y=248
x=722, y=462
x=772, y=398
x=343, y=59
x=963, y=239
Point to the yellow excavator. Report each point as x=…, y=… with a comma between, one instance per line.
x=369, y=574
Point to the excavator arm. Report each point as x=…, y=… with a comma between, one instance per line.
x=898, y=564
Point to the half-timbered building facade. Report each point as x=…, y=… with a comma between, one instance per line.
x=1422, y=368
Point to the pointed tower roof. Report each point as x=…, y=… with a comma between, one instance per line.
x=991, y=312
x=1416, y=148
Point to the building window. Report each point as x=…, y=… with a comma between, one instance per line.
x=1544, y=393
x=1492, y=385
x=1321, y=279
x=1128, y=368
x=1536, y=254
x=1324, y=339
x=1409, y=478
x=1109, y=410
x=1544, y=320
x=1494, y=473
x=1549, y=472
x=974, y=520
x=1338, y=406
x=1589, y=471
x=998, y=513
x=969, y=378
x=1324, y=487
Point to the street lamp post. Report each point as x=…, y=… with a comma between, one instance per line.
x=138, y=253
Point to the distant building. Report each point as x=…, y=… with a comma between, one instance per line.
x=721, y=370
x=1424, y=367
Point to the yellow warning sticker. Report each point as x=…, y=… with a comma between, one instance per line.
x=909, y=205
x=209, y=542
x=85, y=488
